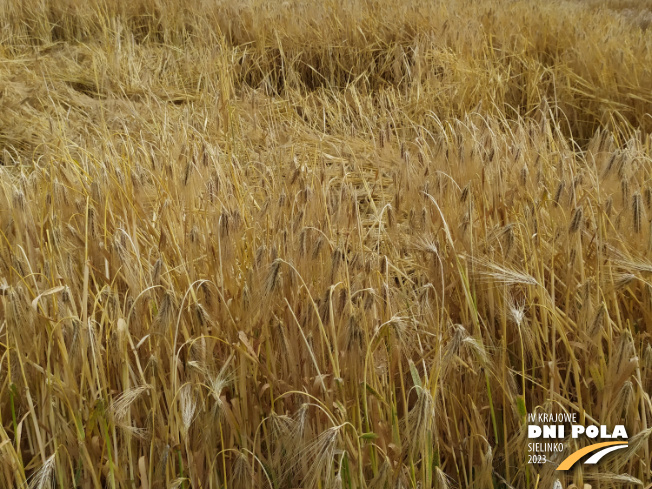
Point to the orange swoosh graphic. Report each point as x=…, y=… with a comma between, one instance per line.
x=575, y=456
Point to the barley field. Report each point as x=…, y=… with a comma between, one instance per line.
x=343, y=244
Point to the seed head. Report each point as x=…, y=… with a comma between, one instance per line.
x=576, y=221
x=637, y=211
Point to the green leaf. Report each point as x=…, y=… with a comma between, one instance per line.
x=415, y=375
x=520, y=406
x=375, y=393
x=368, y=436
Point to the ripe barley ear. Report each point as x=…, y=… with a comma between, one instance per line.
x=637, y=212
x=576, y=221
x=272, y=277
x=558, y=192
x=624, y=188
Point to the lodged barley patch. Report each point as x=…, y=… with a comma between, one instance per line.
x=322, y=244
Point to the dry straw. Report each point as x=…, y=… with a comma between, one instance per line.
x=320, y=244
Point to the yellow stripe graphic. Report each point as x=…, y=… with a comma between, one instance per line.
x=575, y=456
